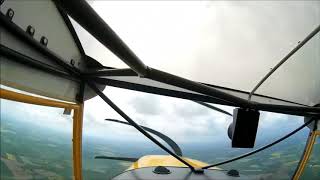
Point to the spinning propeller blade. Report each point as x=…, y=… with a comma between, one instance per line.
x=117, y=158
x=165, y=138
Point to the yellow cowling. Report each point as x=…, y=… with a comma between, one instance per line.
x=165, y=160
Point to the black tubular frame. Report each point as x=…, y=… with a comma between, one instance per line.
x=159, y=91
x=103, y=33
x=261, y=148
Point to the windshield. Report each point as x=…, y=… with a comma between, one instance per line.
x=200, y=132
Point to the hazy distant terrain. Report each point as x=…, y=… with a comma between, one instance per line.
x=32, y=151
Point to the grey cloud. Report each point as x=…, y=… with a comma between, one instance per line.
x=215, y=128
x=148, y=105
x=190, y=110
x=208, y=125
